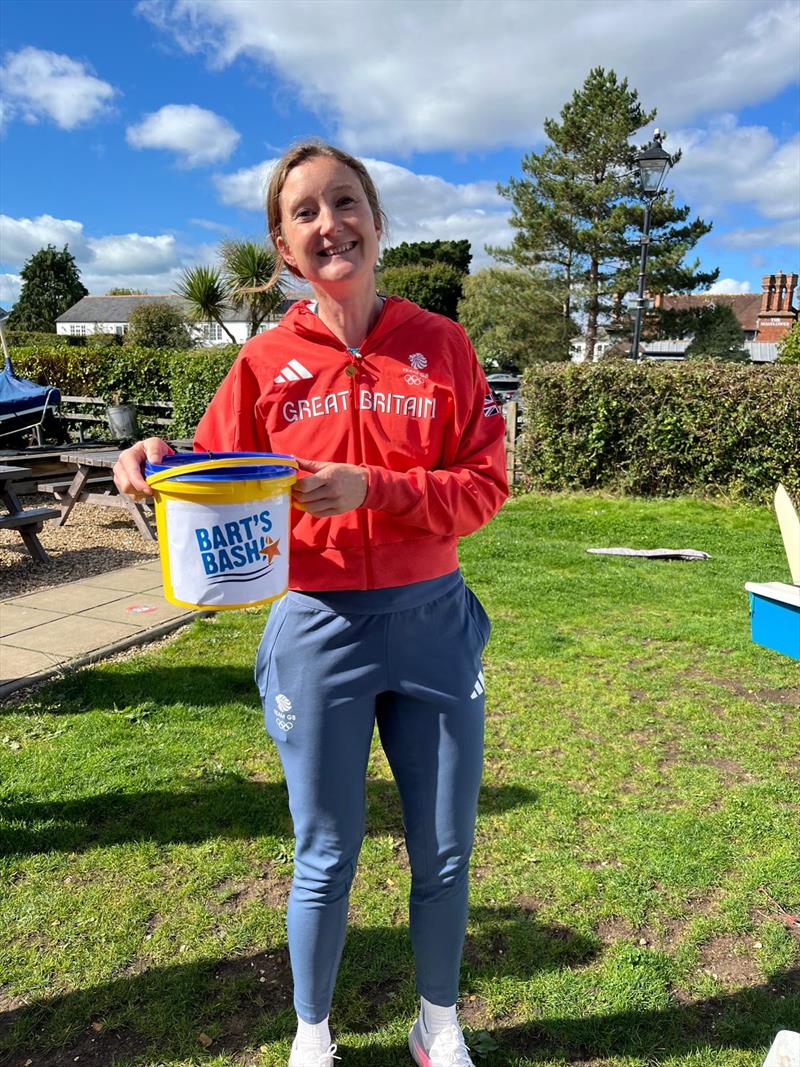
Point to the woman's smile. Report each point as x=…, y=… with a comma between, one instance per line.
x=338, y=250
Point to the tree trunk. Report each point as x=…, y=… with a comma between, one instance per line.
x=592, y=309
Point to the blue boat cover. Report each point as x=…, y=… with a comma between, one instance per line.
x=21, y=398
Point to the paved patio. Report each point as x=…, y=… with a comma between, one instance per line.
x=68, y=625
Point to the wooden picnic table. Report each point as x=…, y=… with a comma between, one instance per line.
x=82, y=489
x=27, y=523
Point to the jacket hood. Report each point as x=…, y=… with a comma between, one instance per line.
x=303, y=322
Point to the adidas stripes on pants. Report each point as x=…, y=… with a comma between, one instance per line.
x=329, y=667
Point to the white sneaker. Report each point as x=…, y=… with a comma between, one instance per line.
x=445, y=1049
x=312, y=1059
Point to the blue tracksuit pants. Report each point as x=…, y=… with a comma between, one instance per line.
x=331, y=665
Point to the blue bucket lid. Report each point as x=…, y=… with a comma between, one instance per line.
x=248, y=472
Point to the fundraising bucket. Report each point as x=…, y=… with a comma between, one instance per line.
x=223, y=527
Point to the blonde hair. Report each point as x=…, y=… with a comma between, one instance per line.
x=293, y=157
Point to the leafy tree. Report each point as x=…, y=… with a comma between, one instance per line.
x=126, y=292
x=717, y=335
x=789, y=346
x=157, y=324
x=457, y=254
x=239, y=283
x=577, y=210
x=513, y=318
x=51, y=285
x=436, y=287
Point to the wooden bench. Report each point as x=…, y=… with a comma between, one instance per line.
x=26, y=523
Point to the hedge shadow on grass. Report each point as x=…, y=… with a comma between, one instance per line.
x=169, y=1012
x=228, y=806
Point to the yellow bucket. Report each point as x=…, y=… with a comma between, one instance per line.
x=223, y=527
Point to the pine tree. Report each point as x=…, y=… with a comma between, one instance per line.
x=51, y=285
x=578, y=212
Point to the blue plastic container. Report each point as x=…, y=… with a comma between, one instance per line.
x=775, y=616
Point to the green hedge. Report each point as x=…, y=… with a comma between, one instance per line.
x=661, y=430
x=195, y=377
x=129, y=374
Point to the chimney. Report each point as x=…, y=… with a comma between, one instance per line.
x=776, y=316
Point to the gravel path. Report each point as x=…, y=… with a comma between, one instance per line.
x=93, y=541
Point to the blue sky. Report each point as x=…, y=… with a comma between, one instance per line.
x=142, y=133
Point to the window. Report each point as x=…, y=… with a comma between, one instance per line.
x=77, y=329
x=121, y=329
x=212, y=331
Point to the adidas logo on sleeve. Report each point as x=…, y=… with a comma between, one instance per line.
x=293, y=372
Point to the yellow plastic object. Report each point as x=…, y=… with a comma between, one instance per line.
x=223, y=545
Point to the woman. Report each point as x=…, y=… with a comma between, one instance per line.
x=402, y=450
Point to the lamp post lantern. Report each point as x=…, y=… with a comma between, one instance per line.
x=653, y=164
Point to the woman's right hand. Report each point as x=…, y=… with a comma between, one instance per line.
x=129, y=468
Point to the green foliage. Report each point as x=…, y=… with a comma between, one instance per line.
x=514, y=318
x=51, y=285
x=789, y=346
x=661, y=430
x=123, y=371
x=578, y=212
x=457, y=254
x=126, y=292
x=717, y=335
x=157, y=325
x=437, y=287
x=206, y=293
x=240, y=283
x=247, y=266
x=195, y=377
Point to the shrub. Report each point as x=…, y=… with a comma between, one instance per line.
x=157, y=325
x=195, y=377
x=661, y=430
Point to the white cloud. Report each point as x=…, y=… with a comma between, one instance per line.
x=420, y=207
x=435, y=75
x=20, y=238
x=10, y=286
x=196, y=135
x=727, y=163
x=778, y=234
x=132, y=253
x=729, y=287
x=38, y=84
x=134, y=260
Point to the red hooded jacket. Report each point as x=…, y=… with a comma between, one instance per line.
x=412, y=406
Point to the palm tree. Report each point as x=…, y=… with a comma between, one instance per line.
x=241, y=282
x=247, y=266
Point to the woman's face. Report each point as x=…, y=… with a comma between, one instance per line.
x=327, y=231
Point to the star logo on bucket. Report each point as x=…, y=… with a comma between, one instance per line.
x=271, y=549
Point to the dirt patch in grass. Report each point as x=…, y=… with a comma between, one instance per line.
x=473, y=1013
x=789, y=696
x=727, y=959
x=270, y=887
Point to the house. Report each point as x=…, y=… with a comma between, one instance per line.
x=764, y=319
x=111, y=314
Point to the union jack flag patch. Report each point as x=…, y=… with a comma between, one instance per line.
x=490, y=405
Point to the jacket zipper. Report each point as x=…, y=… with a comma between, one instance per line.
x=352, y=372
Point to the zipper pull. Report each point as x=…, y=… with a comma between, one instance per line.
x=352, y=369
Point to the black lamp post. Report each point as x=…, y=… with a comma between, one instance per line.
x=653, y=164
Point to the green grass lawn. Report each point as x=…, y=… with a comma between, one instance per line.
x=637, y=839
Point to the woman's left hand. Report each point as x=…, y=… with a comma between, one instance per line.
x=330, y=488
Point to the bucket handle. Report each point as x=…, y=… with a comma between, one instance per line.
x=218, y=464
